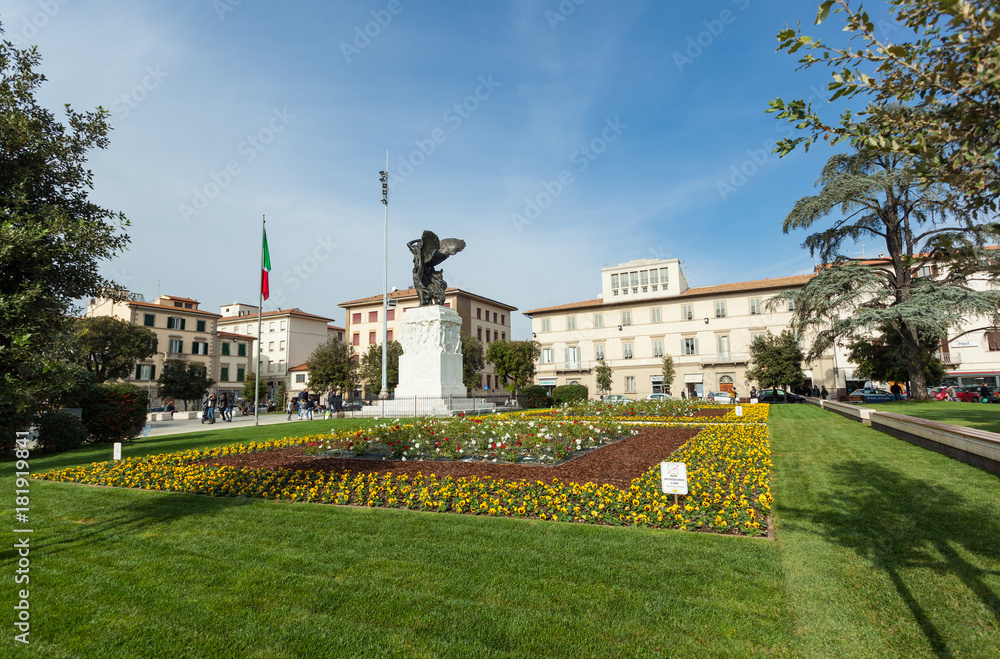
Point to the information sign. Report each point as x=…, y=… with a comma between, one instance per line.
x=673, y=477
x=118, y=450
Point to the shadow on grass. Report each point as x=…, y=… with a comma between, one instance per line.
x=897, y=522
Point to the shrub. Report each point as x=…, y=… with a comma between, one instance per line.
x=533, y=396
x=115, y=412
x=569, y=393
x=60, y=431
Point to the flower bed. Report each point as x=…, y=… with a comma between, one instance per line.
x=728, y=474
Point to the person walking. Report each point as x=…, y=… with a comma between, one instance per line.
x=824, y=393
x=310, y=406
x=290, y=408
x=984, y=393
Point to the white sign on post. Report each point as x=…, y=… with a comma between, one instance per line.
x=673, y=477
x=118, y=450
x=739, y=410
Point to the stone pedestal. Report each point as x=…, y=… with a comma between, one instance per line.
x=431, y=363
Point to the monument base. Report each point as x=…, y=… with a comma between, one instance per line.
x=431, y=363
x=417, y=406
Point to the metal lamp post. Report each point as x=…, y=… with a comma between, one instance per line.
x=384, y=178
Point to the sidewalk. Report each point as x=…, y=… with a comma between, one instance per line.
x=161, y=428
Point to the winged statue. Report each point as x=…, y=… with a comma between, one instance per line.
x=428, y=251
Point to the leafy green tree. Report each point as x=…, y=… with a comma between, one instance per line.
x=473, y=360
x=184, y=380
x=371, y=367
x=52, y=236
x=110, y=347
x=881, y=358
x=249, y=390
x=874, y=195
x=935, y=96
x=513, y=362
x=668, y=371
x=279, y=397
x=604, y=375
x=776, y=361
x=332, y=366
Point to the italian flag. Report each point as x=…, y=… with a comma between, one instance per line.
x=265, y=268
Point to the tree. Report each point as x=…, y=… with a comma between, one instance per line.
x=249, y=390
x=371, y=367
x=936, y=96
x=184, y=380
x=513, y=362
x=604, y=377
x=52, y=237
x=473, y=360
x=332, y=366
x=880, y=198
x=668, y=371
x=110, y=347
x=882, y=358
x=776, y=361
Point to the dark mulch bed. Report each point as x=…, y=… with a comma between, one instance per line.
x=616, y=463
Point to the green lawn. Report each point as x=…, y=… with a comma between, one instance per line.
x=883, y=549
x=982, y=416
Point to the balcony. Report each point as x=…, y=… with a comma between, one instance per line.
x=176, y=355
x=573, y=367
x=949, y=357
x=724, y=358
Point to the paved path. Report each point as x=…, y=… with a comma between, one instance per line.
x=176, y=427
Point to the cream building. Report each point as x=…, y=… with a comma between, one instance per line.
x=288, y=337
x=183, y=331
x=483, y=318
x=646, y=312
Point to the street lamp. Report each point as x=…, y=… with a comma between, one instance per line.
x=384, y=178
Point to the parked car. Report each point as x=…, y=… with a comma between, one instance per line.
x=724, y=397
x=617, y=399
x=873, y=395
x=778, y=396
x=352, y=406
x=157, y=409
x=961, y=393
x=657, y=397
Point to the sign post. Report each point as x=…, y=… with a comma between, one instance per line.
x=673, y=478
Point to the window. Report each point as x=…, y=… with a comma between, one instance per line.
x=200, y=325
x=654, y=315
x=720, y=309
x=300, y=378
x=503, y=319
x=179, y=304
x=630, y=384
x=488, y=381
x=755, y=306
x=791, y=304
x=687, y=312
x=644, y=277
x=371, y=338
x=614, y=281
x=241, y=374
x=372, y=316
x=546, y=357
x=241, y=350
x=145, y=371
x=281, y=346
x=654, y=277
x=494, y=316
x=224, y=374
x=225, y=348
x=390, y=314
x=723, y=345
x=664, y=276
x=658, y=348
x=175, y=323
x=388, y=335
x=598, y=320
x=755, y=335
x=689, y=346
x=199, y=348
x=356, y=339
x=599, y=351
x=356, y=317
x=503, y=336
x=627, y=350
x=633, y=278
x=270, y=327
x=993, y=341
x=571, y=322
x=494, y=335
x=270, y=346
x=479, y=333
x=282, y=326
x=188, y=305
x=573, y=357
x=626, y=318
x=546, y=325
x=149, y=320
x=176, y=345
x=479, y=313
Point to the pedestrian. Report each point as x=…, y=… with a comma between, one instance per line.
x=204, y=411
x=300, y=405
x=950, y=392
x=823, y=392
x=753, y=392
x=310, y=406
x=984, y=393
x=815, y=391
x=896, y=391
x=171, y=408
x=290, y=408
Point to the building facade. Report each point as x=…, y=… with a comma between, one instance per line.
x=184, y=332
x=483, y=318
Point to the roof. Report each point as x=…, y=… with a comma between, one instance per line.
x=236, y=336
x=411, y=293
x=334, y=327
x=179, y=299
x=758, y=284
x=300, y=367
x=296, y=312
x=163, y=307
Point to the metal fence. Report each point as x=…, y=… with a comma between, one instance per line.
x=417, y=406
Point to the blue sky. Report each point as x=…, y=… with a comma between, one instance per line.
x=554, y=136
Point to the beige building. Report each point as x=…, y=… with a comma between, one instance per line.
x=483, y=318
x=183, y=331
x=288, y=337
x=646, y=312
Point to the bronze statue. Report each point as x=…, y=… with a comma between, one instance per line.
x=428, y=251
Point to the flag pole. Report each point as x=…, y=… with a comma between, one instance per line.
x=384, y=393
x=260, y=307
